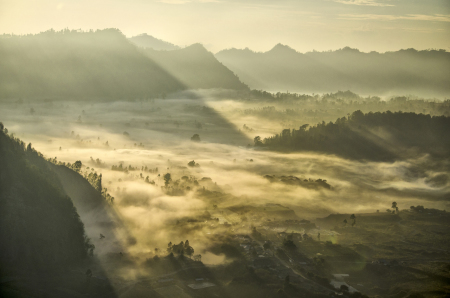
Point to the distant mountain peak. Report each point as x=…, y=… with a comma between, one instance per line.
x=282, y=48
x=147, y=41
x=197, y=46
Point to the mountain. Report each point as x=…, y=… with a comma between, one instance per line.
x=196, y=68
x=40, y=229
x=282, y=68
x=100, y=64
x=147, y=41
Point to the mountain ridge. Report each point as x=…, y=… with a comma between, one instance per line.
x=148, y=41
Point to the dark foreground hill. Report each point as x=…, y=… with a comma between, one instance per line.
x=282, y=68
x=40, y=229
x=101, y=64
x=196, y=68
x=48, y=212
x=373, y=136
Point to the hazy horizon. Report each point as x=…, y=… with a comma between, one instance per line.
x=369, y=25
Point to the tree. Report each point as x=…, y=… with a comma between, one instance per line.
x=286, y=281
x=195, y=138
x=304, y=127
x=89, y=246
x=288, y=242
x=353, y=217
x=167, y=179
x=394, y=206
x=257, y=141
x=192, y=164
x=345, y=222
x=189, y=250
x=76, y=165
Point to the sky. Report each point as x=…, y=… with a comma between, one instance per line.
x=305, y=25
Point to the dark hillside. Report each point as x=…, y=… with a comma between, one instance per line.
x=40, y=229
x=100, y=64
x=196, y=68
x=377, y=136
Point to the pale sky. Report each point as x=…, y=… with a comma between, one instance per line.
x=305, y=25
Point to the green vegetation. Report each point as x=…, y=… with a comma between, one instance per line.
x=372, y=136
x=40, y=228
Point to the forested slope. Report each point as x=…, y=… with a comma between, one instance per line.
x=372, y=136
x=40, y=229
x=100, y=64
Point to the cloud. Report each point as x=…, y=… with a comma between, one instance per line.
x=410, y=17
x=362, y=2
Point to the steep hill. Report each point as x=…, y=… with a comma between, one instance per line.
x=40, y=229
x=100, y=64
x=147, y=41
x=97, y=215
x=282, y=68
x=196, y=68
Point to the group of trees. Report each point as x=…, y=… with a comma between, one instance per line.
x=352, y=218
x=122, y=168
x=182, y=248
x=307, y=183
x=362, y=136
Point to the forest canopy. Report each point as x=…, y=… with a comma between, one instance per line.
x=372, y=136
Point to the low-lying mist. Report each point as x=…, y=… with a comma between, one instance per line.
x=135, y=144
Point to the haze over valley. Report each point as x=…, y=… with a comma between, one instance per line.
x=131, y=166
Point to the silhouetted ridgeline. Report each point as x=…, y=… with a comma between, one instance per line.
x=282, y=68
x=79, y=64
x=373, y=136
x=102, y=64
x=148, y=41
x=196, y=68
x=40, y=229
